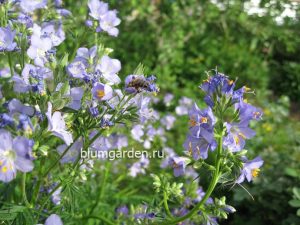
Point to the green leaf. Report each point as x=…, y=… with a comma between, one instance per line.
x=296, y=192
x=139, y=70
x=11, y=213
x=298, y=212
x=291, y=172
x=64, y=60
x=294, y=203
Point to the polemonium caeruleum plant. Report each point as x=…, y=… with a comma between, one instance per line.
x=54, y=106
x=215, y=143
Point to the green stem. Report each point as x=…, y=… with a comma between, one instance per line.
x=166, y=205
x=209, y=191
x=24, y=196
x=96, y=39
x=39, y=183
x=102, y=189
x=10, y=64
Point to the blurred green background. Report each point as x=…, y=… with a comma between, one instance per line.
x=179, y=40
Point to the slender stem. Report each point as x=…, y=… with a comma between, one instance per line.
x=39, y=183
x=10, y=64
x=24, y=196
x=166, y=205
x=102, y=189
x=96, y=39
x=209, y=191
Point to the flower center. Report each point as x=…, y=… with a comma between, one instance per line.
x=40, y=53
x=100, y=94
x=193, y=122
x=255, y=172
x=204, y=119
x=175, y=165
x=236, y=139
x=230, y=82
x=10, y=154
x=256, y=114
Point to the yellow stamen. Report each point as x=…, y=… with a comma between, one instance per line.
x=175, y=165
x=255, y=172
x=247, y=89
x=242, y=135
x=230, y=82
x=1, y=163
x=4, y=169
x=190, y=149
x=100, y=94
x=192, y=122
x=203, y=120
x=236, y=139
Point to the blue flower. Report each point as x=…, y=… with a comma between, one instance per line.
x=237, y=135
x=178, y=164
x=122, y=210
x=57, y=125
x=6, y=120
x=139, y=167
x=102, y=92
x=168, y=121
x=53, y=219
x=97, y=9
x=15, y=106
x=184, y=105
x=201, y=122
x=198, y=147
x=15, y=154
x=250, y=169
x=7, y=39
x=248, y=112
x=28, y=6
x=77, y=69
x=109, y=68
x=219, y=83
x=108, y=23
x=25, y=124
x=54, y=31
x=39, y=45
x=76, y=94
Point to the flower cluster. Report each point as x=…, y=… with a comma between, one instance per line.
x=220, y=97
x=216, y=142
x=103, y=18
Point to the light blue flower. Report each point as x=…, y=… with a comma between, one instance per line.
x=57, y=125
x=28, y=6
x=109, y=69
x=109, y=21
x=97, y=9
x=250, y=169
x=53, y=219
x=102, y=92
x=7, y=39
x=15, y=154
